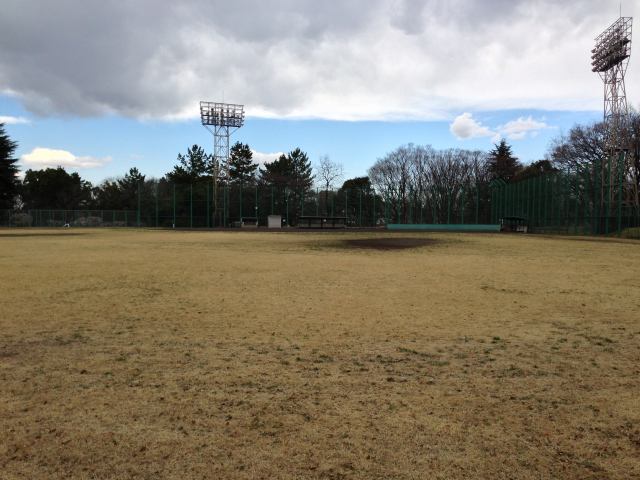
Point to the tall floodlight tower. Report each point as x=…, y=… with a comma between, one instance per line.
x=610, y=58
x=221, y=119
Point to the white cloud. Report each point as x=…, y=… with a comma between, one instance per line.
x=51, y=158
x=261, y=158
x=519, y=128
x=465, y=126
x=361, y=59
x=9, y=120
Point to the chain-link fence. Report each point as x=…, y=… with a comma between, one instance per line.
x=204, y=205
x=575, y=201
x=594, y=200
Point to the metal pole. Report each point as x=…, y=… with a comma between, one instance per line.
x=241, y=190
x=333, y=203
x=374, y=219
x=174, y=205
x=156, y=205
x=225, y=210
x=191, y=205
x=208, y=207
x=215, y=175
x=607, y=198
x=346, y=203
x=360, y=207
x=620, y=185
x=477, y=203
x=138, y=213
x=597, y=199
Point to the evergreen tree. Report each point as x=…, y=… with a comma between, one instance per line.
x=129, y=185
x=121, y=193
x=536, y=169
x=277, y=173
x=9, y=182
x=502, y=163
x=302, y=171
x=54, y=188
x=292, y=175
x=242, y=170
x=193, y=166
x=360, y=184
x=292, y=170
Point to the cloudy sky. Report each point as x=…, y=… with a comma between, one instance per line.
x=100, y=86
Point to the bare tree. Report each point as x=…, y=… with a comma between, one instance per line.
x=329, y=172
x=442, y=183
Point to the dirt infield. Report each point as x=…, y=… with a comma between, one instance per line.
x=168, y=354
x=389, y=243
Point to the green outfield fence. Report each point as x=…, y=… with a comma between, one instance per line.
x=575, y=201
x=598, y=200
x=168, y=205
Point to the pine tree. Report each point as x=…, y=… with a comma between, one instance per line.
x=191, y=167
x=242, y=170
x=9, y=182
x=302, y=171
x=502, y=163
x=277, y=173
x=293, y=171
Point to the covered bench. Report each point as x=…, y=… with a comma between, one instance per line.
x=313, y=221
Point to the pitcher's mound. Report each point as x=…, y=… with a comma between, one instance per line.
x=389, y=243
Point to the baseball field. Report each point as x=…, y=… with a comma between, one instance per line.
x=344, y=355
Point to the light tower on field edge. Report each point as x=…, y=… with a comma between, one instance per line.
x=610, y=59
x=221, y=119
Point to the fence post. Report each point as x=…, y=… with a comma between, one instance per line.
x=620, y=185
x=208, y=207
x=449, y=207
x=139, y=203
x=225, y=205
x=256, y=205
x=333, y=204
x=374, y=219
x=174, y=205
x=597, y=195
x=346, y=205
x=477, y=204
x=191, y=205
x=156, y=205
x=241, y=191
x=360, y=207
x=286, y=202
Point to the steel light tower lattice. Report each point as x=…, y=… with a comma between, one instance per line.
x=221, y=119
x=610, y=59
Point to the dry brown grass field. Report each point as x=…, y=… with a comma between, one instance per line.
x=180, y=355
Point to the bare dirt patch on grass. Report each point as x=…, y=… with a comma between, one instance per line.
x=389, y=243
x=143, y=354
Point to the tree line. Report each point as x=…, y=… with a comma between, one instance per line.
x=438, y=180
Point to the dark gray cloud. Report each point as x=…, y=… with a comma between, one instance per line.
x=347, y=59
